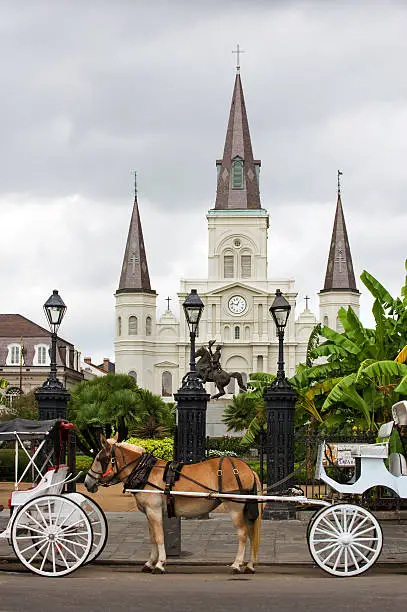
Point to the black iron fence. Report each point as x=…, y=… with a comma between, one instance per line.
x=337, y=460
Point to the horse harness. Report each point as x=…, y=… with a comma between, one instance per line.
x=139, y=476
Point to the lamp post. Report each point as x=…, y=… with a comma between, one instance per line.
x=280, y=400
x=52, y=397
x=191, y=398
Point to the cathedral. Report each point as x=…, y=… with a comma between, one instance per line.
x=237, y=292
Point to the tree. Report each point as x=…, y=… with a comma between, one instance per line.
x=247, y=410
x=23, y=407
x=364, y=371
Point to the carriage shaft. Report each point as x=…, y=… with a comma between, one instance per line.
x=300, y=499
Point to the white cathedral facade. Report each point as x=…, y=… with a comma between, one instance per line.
x=237, y=292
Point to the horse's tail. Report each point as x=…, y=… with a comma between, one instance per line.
x=239, y=379
x=253, y=512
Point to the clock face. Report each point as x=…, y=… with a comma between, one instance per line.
x=237, y=304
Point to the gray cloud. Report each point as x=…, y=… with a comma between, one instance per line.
x=93, y=90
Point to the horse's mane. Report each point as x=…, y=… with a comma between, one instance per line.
x=132, y=447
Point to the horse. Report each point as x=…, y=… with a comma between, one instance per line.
x=208, y=374
x=120, y=462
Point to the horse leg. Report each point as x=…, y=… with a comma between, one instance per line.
x=221, y=392
x=155, y=519
x=236, y=512
x=149, y=565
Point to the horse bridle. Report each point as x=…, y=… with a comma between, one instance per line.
x=105, y=460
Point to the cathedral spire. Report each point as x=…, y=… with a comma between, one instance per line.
x=134, y=276
x=238, y=172
x=339, y=273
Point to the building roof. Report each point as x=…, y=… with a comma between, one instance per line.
x=13, y=325
x=134, y=275
x=16, y=326
x=339, y=272
x=238, y=144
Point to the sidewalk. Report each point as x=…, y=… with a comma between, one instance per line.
x=213, y=541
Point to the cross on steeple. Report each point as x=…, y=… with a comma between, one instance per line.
x=168, y=300
x=135, y=183
x=307, y=299
x=238, y=51
x=339, y=181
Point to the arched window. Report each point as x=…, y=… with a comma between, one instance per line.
x=260, y=363
x=226, y=332
x=148, y=326
x=246, y=266
x=237, y=173
x=326, y=321
x=228, y=266
x=339, y=326
x=119, y=326
x=231, y=386
x=166, y=384
x=133, y=326
x=13, y=357
x=247, y=333
x=11, y=394
x=237, y=332
x=133, y=374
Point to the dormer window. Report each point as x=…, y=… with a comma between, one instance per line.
x=237, y=173
x=14, y=355
x=41, y=356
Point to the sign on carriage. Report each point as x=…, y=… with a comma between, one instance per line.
x=340, y=454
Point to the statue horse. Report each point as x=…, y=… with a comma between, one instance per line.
x=208, y=374
x=131, y=465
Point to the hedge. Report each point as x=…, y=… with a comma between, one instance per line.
x=7, y=456
x=160, y=448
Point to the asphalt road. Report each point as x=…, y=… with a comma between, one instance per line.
x=204, y=589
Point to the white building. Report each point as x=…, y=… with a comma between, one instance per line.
x=237, y=293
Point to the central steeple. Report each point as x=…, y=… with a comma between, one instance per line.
x=238, y=172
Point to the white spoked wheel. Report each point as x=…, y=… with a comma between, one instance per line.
x=51, y=535
x=99, y=526
x=345, y=540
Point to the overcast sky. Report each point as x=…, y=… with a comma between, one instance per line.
x=94, y=90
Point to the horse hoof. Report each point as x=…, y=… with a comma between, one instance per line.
x=146, y=569
x=249, y=570
x=158, y=570
x=235, y=570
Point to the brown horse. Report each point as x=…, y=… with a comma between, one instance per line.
x=117, y=462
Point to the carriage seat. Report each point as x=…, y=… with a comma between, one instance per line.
x=399, y=412
x=380, y=449
x=50, y=484
x=397, y=464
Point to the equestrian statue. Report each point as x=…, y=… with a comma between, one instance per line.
x=209, y=369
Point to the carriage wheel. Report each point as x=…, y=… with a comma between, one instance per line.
x=51, y=535
x=345, y=539
x=99, y=526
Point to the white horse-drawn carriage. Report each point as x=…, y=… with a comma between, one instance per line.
x=52, y=532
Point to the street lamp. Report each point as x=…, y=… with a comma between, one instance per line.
x=280, y=311
x=193, y=309
x=280, y=401
x=191, y=398
x=52, y=397
x=54, y=309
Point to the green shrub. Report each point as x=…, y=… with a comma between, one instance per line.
x=227, y=444
x=83, y=463
x=160, y=448
x=7, y=456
